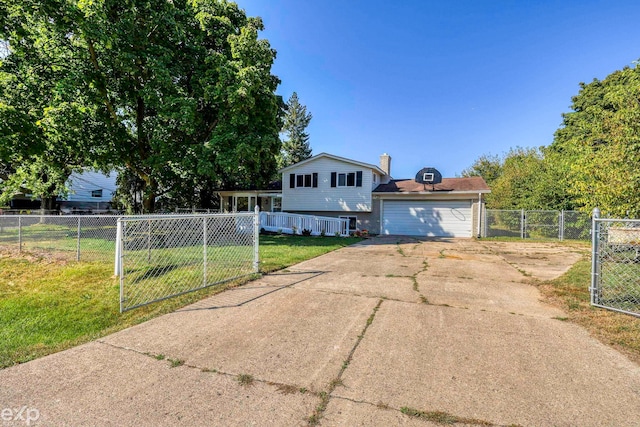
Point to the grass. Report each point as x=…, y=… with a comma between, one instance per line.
x=570, y=292
x=281, y=251
x=443, y=418
x=48, y=305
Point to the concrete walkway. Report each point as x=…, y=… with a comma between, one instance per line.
x=447, y=330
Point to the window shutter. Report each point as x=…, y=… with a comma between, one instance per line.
x=359, y=179
x=333, y=179
x=315, y=180
x=292, y=180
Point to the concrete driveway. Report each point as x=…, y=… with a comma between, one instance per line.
x=449, y=330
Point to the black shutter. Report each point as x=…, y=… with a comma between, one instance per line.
x=315, y=180
x=359, y=179
x=333, y=179
x=292, y=180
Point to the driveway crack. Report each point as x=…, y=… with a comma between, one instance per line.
x=325, y=396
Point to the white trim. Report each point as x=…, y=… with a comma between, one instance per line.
x=331, y=156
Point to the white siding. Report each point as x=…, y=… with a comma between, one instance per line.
x=83, y=184
x=427, y=218
x=325, y=197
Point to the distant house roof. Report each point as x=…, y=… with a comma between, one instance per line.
x=468, y=185
x=331, y=156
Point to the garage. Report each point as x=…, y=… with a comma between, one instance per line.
x=427, y=218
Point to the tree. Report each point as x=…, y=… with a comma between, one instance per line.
x=487, y=166
x=47, y=127
x=296, y=147
x=598, y=145
x=184, y=88
x=523, y=178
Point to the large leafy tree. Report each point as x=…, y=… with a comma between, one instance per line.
x=48, y=129
x=295, y=147
x=598, y=146
x=487, y=166
x=523, y=178
x=183, y=88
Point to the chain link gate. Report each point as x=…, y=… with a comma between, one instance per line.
x=159, y=257
x=615, y=270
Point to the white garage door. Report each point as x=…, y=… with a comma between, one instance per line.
x=421, y=218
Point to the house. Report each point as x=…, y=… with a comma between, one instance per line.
x=369, y=198
x=89, y=191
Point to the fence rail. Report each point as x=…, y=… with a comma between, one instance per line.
x=536, y=224
x=165, y=256
x=615, y=276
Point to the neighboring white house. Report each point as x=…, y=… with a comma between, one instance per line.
x=366, y=195
x=89, y=191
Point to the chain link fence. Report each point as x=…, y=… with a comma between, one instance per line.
x=69, y=237
x=615, y=283
x=536, y=224
x=164, y=256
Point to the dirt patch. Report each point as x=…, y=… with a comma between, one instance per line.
x=37, y=256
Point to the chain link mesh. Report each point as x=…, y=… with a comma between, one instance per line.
x=617, y=254
x=537, y=224
x=163, y=257
x=69, y=237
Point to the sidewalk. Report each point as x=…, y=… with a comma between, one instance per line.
x=446, y=330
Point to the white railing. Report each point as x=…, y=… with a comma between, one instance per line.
x=281, y=222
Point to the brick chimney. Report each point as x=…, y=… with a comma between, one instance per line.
x=385, y=163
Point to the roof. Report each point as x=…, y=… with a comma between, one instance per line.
x=473, y=184
x=341, y=159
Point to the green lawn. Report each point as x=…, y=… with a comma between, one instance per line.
x=47, y=305
x=570, y=292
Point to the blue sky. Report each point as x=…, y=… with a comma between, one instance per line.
x=440, y=83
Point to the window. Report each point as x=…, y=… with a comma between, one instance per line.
x=303, y=180
x=347, y=179
x=96, y=193
x=375, y=178
x=352, y=223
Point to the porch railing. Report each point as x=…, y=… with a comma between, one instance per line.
x=287, y=223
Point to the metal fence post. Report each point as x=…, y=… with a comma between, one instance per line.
x=78, y=242
x=561, y=226
x=19, y=234
x=122, y=231
x=595, y=240
x=204, y=251
x=118, y=260
x=149, y=242
x=522, y=226
x=256, y=239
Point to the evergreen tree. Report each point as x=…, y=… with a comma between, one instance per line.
x=296, y=147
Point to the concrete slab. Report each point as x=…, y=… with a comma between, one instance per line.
x=108, y=386
x=359, y=283
x=291, y=336
x=544, y=261
x=495, y=367
x=385, y=261
x=475, y=284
